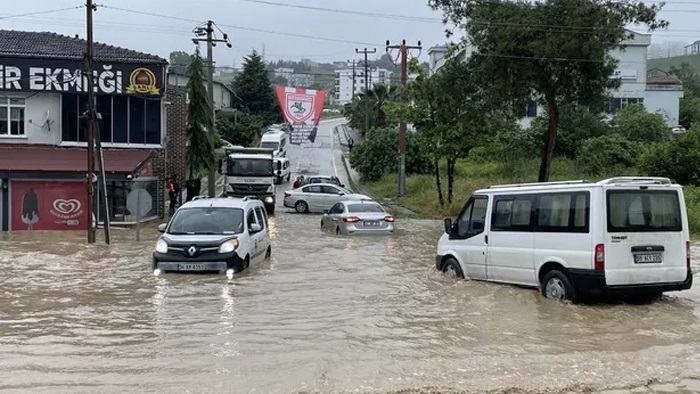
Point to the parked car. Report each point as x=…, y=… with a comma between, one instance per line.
x=323, y=179
x=318, y=197
x=620, y=236
x=213, y=235
x=358, y=217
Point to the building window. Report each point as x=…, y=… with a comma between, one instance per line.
x=337, y=96
x=124, y=119
x=531, y=109
x=12, y=117
x=614, y=104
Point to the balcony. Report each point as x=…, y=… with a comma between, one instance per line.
x=664, y=87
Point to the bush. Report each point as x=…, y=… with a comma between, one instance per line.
x=243, y=133
x=576, y=124
x=692, y=202
x=636, y=124
x=378, y=155
x=607, y=154
x=678, y=160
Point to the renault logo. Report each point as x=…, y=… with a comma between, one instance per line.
x=192, y=250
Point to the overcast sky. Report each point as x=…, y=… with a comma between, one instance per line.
x=135, y=25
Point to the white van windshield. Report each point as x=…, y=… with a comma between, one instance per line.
x=643, y=211
x=270, y=145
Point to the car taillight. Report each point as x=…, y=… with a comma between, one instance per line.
x=287, y=194
x=388, y=218
x=351, y=219
x=687, y=254
x=599, y=258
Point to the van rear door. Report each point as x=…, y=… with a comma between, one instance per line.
x=646, y=235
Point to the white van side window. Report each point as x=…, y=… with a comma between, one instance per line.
x=512, y=214
x=643, y=211
x=472, y=219
x=564, y=212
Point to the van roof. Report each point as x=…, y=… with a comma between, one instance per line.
x=579, y=184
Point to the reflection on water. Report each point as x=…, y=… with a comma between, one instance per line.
x=327, y=313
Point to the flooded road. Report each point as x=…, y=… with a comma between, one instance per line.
x=326, y=314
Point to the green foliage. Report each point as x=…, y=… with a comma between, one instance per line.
x=576, y=124
x=179, y=60
x=254, y=91
x=636, y=124
x=243, y=133
x=678, y=160
x=374, y=101
x=378, y=155
x=689, y=111
x=692, y=203
x=201, y=135
x=608, y=154
x=555, y=67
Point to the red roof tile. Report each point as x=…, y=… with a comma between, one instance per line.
x=663, y=80
x=42, y=158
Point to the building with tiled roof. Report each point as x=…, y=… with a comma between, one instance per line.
x=43, y=156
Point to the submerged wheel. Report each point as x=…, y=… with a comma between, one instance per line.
x=301, y=207
x=452, y=268
x=557, y=286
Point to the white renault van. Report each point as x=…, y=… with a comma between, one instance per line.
x=621, y=236
x=277, y=140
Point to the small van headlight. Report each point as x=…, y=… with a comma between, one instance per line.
x=228, y=246
x=161, y=246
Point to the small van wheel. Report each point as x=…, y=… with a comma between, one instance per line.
x=301, y=207
x=337, y=231
x=451, y=268
x=556, y=285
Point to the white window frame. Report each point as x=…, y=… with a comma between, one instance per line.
x=9, y=106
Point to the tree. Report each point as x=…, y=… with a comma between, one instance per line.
x=637, y=125
x=253, y=87
x=201, y=136
x=678, y=160
x=179, y=60
x=556, y=52
x=449, y=114
x=376, y=100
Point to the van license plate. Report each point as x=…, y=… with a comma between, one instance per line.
x=191, y=267
x=648, y=258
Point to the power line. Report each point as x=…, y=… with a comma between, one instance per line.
x=41, y=12
x=286, y=34
x=349, y=12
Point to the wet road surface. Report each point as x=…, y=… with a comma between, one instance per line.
x=326, y=314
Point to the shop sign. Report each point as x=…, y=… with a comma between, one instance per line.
x=46, y=205
x=54, y=75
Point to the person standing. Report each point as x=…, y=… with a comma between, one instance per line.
x=173, y=192
x=351, y=143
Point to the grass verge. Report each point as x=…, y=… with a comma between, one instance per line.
x=422, y=198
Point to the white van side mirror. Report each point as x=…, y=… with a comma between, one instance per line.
x=162, y=227
x=254, y=228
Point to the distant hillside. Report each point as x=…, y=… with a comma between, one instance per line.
x=666, y=63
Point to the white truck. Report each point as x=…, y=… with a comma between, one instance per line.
x=251, y=172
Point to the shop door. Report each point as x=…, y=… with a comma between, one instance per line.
x=48, y=205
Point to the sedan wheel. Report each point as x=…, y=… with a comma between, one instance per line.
x=301, y=207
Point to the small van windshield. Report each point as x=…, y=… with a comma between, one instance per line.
x=270, y=145
x=207, y=220
x=643, y=211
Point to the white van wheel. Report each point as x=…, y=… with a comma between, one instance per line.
x=451, y=268
x=557, y=286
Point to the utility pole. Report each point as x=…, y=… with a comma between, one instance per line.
x=366, y=52
x=403, y=53
x=90, y=118
x=211, y=41
x=354, y=74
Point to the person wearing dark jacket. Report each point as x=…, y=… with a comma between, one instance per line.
x=173, y=192
x=193, y=187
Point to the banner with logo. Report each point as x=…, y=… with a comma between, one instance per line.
x=302, y=109
x=39, y=205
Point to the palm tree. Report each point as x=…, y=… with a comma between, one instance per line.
x=200, y=126
x=379, y=96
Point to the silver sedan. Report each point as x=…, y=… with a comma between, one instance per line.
x=358, y=217
x=318, y=197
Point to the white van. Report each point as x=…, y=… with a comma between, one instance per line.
x=283, y=170
x=620, y=236
x=276, y=140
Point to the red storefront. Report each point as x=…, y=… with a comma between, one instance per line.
x=44, y=188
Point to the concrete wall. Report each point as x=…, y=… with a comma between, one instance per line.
x=36, y=106
x=222, y=97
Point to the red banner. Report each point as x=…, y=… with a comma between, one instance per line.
x=45, y=205
x=302, y=108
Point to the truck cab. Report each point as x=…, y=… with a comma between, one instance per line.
x=251, y=172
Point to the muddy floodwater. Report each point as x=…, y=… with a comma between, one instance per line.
x=326, y=314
